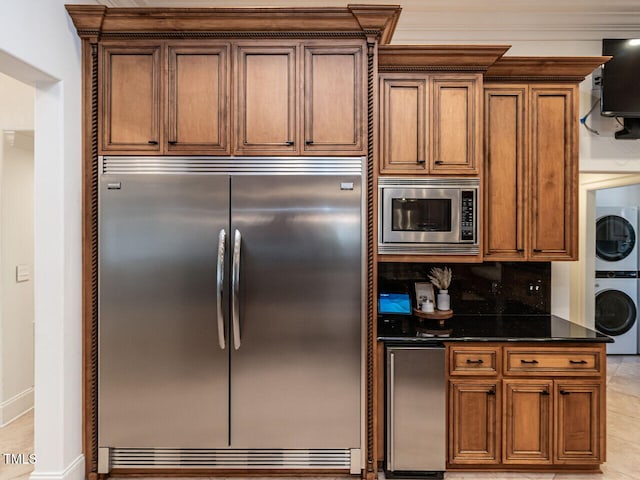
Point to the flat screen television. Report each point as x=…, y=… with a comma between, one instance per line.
x=621, y=84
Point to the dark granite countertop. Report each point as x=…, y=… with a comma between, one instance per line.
x=486, y=328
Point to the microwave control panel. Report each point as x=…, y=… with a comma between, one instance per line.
x=467, y=229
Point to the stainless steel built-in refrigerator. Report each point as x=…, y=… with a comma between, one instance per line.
x=230, y=312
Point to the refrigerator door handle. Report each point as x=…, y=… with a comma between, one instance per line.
x=219, y=280
x=235, y=288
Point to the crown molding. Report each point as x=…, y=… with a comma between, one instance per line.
x=96, y=20
x=439, y=57
x=571, y=69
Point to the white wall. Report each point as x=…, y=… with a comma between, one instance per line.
x=38, y=45
x=16, y=248
x=627, y=196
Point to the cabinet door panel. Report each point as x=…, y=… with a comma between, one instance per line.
x=198, y=94
x=266, y=99
x=474, y=425
x=130, y=101
x=554, y=170
x=527, y=422
x=456, y=119
x=578, y=432
x=505, y=174
x=403, y=129
x=333, y=99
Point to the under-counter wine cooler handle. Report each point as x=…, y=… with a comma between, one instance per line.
x=219, y=282
x=235, y=289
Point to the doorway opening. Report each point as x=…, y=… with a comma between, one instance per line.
x=16, y=273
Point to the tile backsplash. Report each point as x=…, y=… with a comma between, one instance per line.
x=480, y=288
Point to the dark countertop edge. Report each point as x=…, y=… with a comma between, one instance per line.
x=418, y=340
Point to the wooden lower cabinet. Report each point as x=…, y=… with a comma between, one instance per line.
x=548, y=420
x=474, y=422
x=579, y=425
x=528, y=421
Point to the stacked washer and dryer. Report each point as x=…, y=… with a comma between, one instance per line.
x=617, y=277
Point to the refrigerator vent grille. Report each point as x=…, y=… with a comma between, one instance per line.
x=431, y=249
x=235, y=165
x=229, y=458
x=427, y=182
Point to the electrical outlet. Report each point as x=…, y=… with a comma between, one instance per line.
x=596, y=79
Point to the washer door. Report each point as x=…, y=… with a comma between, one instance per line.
x=615, y=312
x=615, y=238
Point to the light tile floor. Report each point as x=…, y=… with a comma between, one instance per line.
x=623, y=435
x=17, y=437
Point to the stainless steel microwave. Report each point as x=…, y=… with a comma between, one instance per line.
x=428, y=216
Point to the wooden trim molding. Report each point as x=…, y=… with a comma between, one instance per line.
x=92, y=20
x=90, y=257
x=439, y=57
x=371, y=467
x=543, y=69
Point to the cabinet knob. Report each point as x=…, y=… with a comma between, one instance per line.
x=491, y=392
x=529, y=362
x=153, y=142
x=479, y=361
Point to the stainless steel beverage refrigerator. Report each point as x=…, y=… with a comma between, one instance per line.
x=230, y=313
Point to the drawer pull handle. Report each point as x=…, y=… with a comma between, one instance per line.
x=577, y=362
x=529, y=362
x=478, y=362
x=564, y=392
x=545, y=393
x=152, y=142
x=491, y=392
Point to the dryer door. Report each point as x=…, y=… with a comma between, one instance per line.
x=615, y=238
x=615, y=312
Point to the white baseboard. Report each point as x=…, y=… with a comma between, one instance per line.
x=16, y=406
x=75, y=471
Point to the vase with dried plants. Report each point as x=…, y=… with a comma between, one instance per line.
x=441, y=279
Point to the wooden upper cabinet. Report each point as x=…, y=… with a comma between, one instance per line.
x=403, y=125
x=430, y=123
x=505, y=177
x=554, y=171
x=531, y=171
x=456, y=142
x=129, y=101
x=198, y=93
x=334, y=99
x=266, y=99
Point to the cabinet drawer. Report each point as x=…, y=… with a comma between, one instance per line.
x=474, y=360
x=542, y=361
